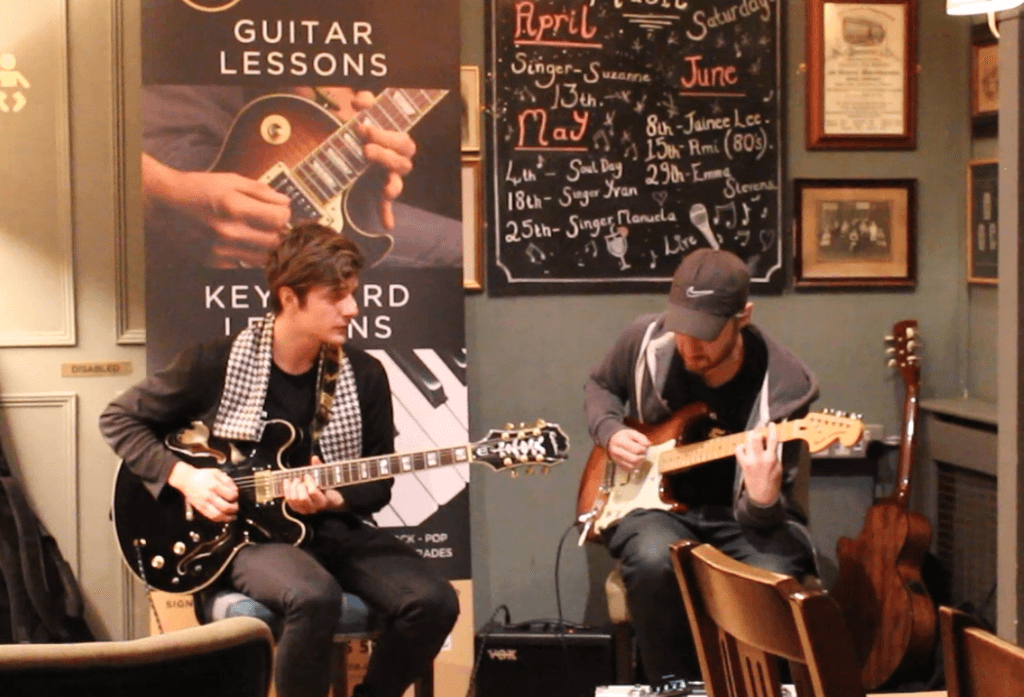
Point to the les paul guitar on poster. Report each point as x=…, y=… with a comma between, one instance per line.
x=890, y=615
x=171, y=547
x=301, y=150
x=607, y=493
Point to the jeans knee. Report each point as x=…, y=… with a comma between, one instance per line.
x=318, y=602
x=437, y=609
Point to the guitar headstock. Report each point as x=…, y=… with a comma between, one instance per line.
x=540, y=446
x=821, y=429
x=903, y=350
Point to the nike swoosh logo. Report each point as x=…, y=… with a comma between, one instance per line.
x=692, y=293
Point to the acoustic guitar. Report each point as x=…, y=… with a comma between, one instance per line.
x=172, y=548
x=301, y=150
x=886, y=605
x=607, y=493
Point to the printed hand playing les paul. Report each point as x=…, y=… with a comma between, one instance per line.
x=244, y=218
x=757, y=457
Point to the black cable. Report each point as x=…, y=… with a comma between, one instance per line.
x=485, y=632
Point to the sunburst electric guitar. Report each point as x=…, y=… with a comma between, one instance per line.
x=607, y=493
x=172, y=548
x=301, y=150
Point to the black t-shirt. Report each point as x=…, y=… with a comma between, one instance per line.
x=292, y=398
x=730, y=404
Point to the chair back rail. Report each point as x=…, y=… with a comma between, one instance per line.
x=977, y=662
x=744, y=620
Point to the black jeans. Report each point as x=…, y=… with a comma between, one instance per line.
x=641, y=542
x=304, y=586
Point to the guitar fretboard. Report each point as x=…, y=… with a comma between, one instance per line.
x=686, y=456
x=270, y=484
x=334, y=166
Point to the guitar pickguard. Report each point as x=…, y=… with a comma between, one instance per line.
x=640, y=488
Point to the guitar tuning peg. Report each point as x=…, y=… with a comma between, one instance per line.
x=890, y=338
x=539, y=458
x=509, y=426
x=522, y=424
x=541, y=423
x=892, y=362
x=910, y=332
x=911, y=345
x=890, y=351
x=826, y=411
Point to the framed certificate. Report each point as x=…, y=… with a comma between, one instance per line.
x=861, y=74
x=983, y=221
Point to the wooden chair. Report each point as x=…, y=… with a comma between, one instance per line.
x=745, y=620
x=223, y=659
x=977, y=662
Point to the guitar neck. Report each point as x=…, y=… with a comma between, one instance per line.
x=270, y=485
x=905, y=467
x=686, y=456
x=340, y=160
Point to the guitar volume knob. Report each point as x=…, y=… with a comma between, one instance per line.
x=179, y=548
x=157, y=562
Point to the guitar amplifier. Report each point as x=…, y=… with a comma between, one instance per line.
x=536, y=660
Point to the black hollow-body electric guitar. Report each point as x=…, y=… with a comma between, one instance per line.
x=173, y=548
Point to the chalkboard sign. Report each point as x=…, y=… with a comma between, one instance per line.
x=623, y=134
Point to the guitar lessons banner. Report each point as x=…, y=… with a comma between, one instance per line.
x=243, y=91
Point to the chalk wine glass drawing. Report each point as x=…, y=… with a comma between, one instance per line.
x=854, y=233
x=861, y=74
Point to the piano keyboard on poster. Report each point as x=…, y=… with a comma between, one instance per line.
x=429, y=397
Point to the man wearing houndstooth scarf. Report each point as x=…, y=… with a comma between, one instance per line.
x=290, y=367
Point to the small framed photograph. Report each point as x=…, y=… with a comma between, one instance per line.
x=861, y=74
x=470, y=82
x=984, y=82
x=472, y=224
x=854, y=233
x=983, y=221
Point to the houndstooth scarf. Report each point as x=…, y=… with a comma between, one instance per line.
x=338, y=423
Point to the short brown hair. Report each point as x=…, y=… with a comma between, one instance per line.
x=311, y=255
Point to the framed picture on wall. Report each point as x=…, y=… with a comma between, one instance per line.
x=472, y=224
x=470, y=87
x=983, y=221
x=854, y=233
x=984, y=82
x=861, y=74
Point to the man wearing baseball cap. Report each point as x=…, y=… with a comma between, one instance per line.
x=702, y=349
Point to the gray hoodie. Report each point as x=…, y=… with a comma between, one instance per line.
x=628, y=383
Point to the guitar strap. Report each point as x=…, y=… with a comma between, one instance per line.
x=327, y=382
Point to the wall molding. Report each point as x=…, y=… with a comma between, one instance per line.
x=67, y=335
x=126, y=334
x=67, y=403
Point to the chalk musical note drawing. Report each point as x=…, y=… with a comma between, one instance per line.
x=771, y=94
x=743, y=236
x=755, y=67
x=601, y=141
x=609, y=121
x=673, y=39
x=755, y=199
x=746, y=214
x=617, y=246
x=660, y=197
x=739, y=53
x=671, y=110
x=637, y=46
x=767, y=237
x=723, y=212
x=764, y=213
x=591, y=246
x=641, y=103
x=699, y=218
x=654, y=258
x=535, y=253
x=631, y=152
x=540, y=162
